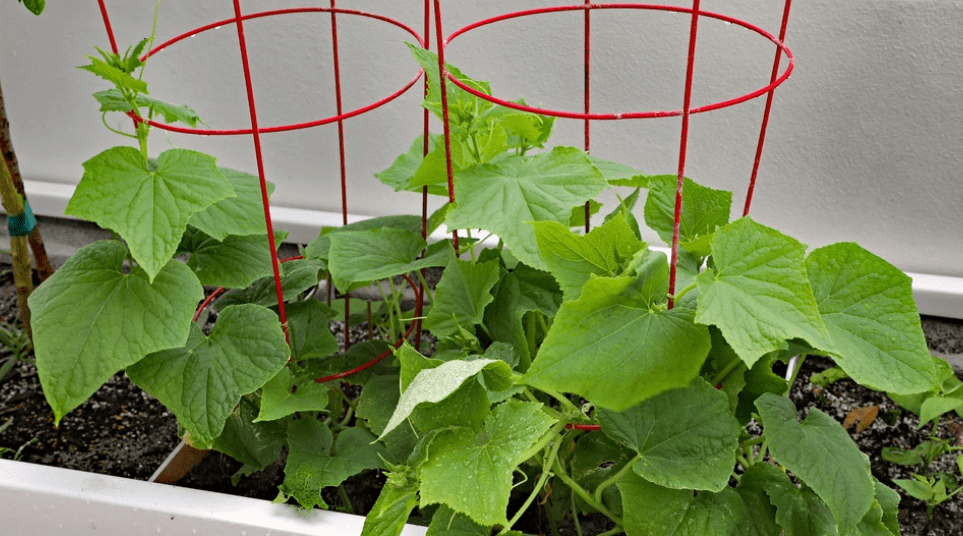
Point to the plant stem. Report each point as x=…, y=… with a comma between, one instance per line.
x=722, y=374
x=683, y=292
x=424, y=285
x=345, y=500
x=44, y=268
x=587, y=497
x=546, y=474
x=614, y=478
x=22, y=274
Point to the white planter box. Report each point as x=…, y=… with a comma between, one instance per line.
x=36, y=500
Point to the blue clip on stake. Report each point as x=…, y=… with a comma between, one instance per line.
x=23, y=224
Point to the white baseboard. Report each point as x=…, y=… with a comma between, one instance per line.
x=936, y=295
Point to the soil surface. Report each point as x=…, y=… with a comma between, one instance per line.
x=122, y=431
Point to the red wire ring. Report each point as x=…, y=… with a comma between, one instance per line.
x=630, y=115
x=294, y=126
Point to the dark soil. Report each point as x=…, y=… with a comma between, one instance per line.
x=122, y=431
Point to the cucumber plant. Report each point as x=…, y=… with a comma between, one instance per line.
x=541, y=339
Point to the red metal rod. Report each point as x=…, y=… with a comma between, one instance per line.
x=420, y=303
x=294, y=126
x=256, y=134
x=344, y=178
x=442, y=74
x=587, y=96
x=629, y=115
x=683, y=145
x=765, y=115
x=108, y=27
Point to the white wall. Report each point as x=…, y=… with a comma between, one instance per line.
x=864, y=143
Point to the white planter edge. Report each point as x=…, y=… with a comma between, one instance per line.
x=37, y=500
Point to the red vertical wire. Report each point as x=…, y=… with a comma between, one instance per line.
x=275, y=265
x=420, y=303
x=344, y=181
x=683, y=144
x=107, y=26
x=443, y=85
x=587, y=96
x=765, y=115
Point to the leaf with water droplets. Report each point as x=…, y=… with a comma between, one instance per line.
x=472, y=472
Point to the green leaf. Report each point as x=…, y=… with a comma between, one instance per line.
x=92, y=319
x=652, y=509
x=257, y=445
x=414, y=169
x=242, y=215
x=320, y=246
x=435, y=384
x=114, y=75
x=447, y=522
x=821, y=453
x=888, y=500
x=148, y=204
x=617, y=346
x=799, y=511
x=112, y=100
x=679, y=448
x=35, y=6
x=390, y=512
x=357, y=257
x=233, y=262
x=277, y=400
x=313, y=464
x=297, y=276
x=867, y=305
x=758, y=292
x=486, y=460
x=572, y=259
x=202, y=382
x=703, y=209
x=545, y=187
x=621, y=175
x=308, y=330
x=935, y=406
x=759, y=380
x=461, y=297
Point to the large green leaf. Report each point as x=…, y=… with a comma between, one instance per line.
x=148, y=203
x=472, y=472
x=308, y=331
x=573, y=258
x=686, y=437
x=282, y=396
x=619, y=174
x=703, y=209
x=315, y=461
x=501, y=197
x=518, y=292
x=203, y=381
x=233, y=262
x=799, y=511
x=358, y=257
x=433, y=385
x=757, y=291
x=320, y=246
x=461, y=297
x=618, y=345
x=256, y=444
x=447, y=522
x=867, y=305
x=92, y=319
x=822, y=455
x=414, y=169
x=239, y=216
x=651, y=510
